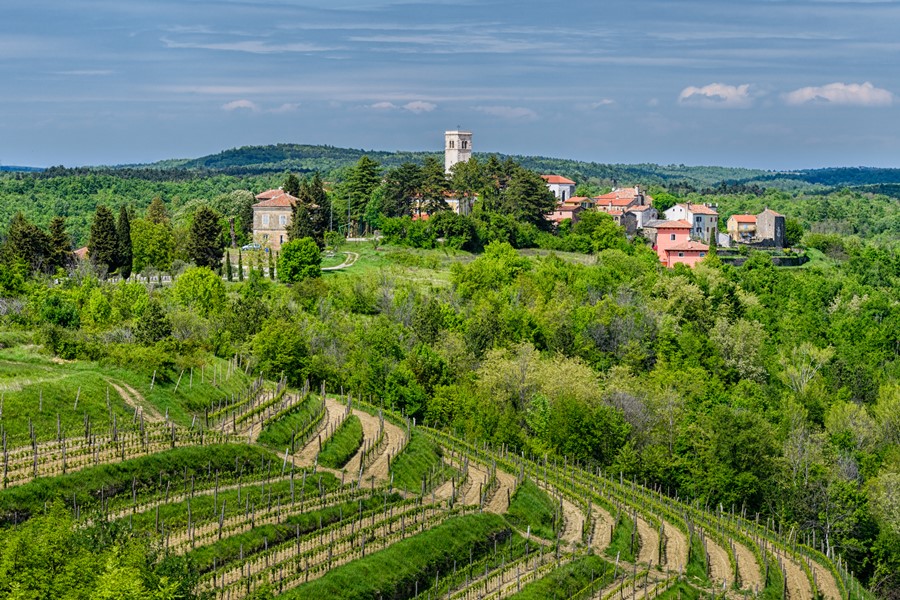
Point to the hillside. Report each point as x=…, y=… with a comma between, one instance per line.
x=251, y=160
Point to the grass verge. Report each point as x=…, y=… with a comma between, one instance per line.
x=422, y=459
x=280, y=433
x=410, y=565
x=341, y=446
x=532, y=507
x=578, y=579
x=625, y=541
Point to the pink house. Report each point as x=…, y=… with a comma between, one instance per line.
x=674, y=245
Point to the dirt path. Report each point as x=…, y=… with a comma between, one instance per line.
x=499, y=501
x=798, y=584
x=477, y=476
x=135, y=400
x=676, y=555
x=603, y=524
x=370, y=426
x=573, y=522
x=825, y=582
x=719, y=564
x=393, y=443
x=649, y=552
x=748, y=569
x=306, y=456
x=352, y=257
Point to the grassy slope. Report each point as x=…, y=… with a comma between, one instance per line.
x=394, y=571
x=26, y=376
x=532, y=507
x=341, y=446
x=419, y=459
x=568, y=581
x=278, y=434
x=621, y=544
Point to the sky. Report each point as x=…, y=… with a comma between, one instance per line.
x=774, y=84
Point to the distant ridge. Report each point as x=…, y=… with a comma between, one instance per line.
x=14, y=168
x=331, y=160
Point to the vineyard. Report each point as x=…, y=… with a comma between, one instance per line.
x=303, y=493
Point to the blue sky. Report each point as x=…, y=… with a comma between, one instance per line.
x=770, y=84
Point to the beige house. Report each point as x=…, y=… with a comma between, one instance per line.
x=741, y=228
x=271, y=218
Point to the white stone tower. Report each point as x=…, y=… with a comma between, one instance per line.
x=457, y=148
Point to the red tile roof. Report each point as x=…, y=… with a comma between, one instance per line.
x=269, y=194
x=680, y=224
x=744, y=218
x=699, y=209
x=557, y=179
x=689, y=247
x=281, y=201
x=81, y=253
x=639, y=208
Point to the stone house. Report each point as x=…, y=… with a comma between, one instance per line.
x=561, y=187
x=271, y=218
x=770, y=228
x=704, y=218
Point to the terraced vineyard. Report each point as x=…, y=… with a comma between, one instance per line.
x=402, y=511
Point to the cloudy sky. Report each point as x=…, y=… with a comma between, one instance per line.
x=760, y=83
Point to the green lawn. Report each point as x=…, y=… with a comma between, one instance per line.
x=343, y=444
x=532, y=507
x=421, y=458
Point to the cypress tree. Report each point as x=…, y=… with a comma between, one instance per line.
x=103, y=246
x=205, y=243
x=157, y=212
x=123, y=233
x=291, y=185
x=60, y=245
x=271, y=265
x=26, y=241
x=228, y=274
x=240, y=266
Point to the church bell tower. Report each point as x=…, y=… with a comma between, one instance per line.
x=457, y=148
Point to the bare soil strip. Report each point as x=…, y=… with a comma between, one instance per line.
x=306, y=456
x=719, y=564
x=135, y=400
x=748, y=569
x=603, y=524
x=798, y=584
x=649, y=552
x=676, y=555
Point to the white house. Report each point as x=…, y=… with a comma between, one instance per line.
x=561, y=187
x=703, y=218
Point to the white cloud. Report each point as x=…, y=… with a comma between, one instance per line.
x=603, y=102
x=250, y=46
x=508, y=112
x=717, y=95
x=384, y=106
x=418, y=106
x=846, y=94
x=241, y=105
x=287, y=107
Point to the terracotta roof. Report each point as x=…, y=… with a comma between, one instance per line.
x=576, y=200
x=564, y=208
x=281, y=201
x=614, y=201
x=639, y=208
x=680, y=224
x=698, y=209
x=769, y=210
x=557, y=179
x=689, y=246
x=81, y=253
x=615, y=213
x=268, y=194
x=743, y=218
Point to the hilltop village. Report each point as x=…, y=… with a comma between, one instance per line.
x=681, y=234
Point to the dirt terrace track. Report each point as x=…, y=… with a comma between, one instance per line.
x=798, y=584
x=603, y=523
x=719, y=564
x=649, y=552
x=825, y=582
x=748, y=569
x=370, y=427
x=676, y=554
x=499, y=502
x=333, y=410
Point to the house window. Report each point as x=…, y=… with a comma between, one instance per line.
x=265, y=219
x=672, y=237
x=282, y=219
x=465, y=145
x=681, y=254
x=280, y=239
x=702, y=254
x=451, y=144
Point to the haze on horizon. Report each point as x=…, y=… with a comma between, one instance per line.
x=776, y=84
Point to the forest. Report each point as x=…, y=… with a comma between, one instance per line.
x=756, y=391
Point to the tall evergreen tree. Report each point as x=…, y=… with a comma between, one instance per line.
x=60, y=245
x=527, y=198
x=291, y=185
x=228, y=273
x=434, y=186
x=240, y=265
x=103, y=246
x=205, y=243
x=26, y=242
x=400, y=188
x=361, y=182
x=156, y=213
x=123, y=233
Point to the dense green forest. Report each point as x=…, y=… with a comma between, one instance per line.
x=759, y=390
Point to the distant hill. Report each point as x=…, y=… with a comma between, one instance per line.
x=15, y=169
x=258, y=160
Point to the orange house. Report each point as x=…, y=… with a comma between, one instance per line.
x=674, y=245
